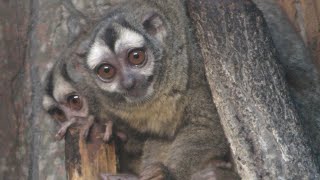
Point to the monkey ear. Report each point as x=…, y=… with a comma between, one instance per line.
x=154, y=25
x=83, y=48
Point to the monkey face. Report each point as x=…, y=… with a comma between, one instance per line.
x=61, y=100
x=124, y=59
x=72, y=106
x=64, y=104
x=128, y=72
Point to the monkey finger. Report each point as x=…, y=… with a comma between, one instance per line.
x=107, y=136
x=108, y=131
x=85, y=133
x=61, y=133
x=59, y=136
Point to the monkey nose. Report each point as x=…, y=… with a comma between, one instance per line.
x=128, y=83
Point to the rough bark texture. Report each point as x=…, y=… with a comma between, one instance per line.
x=88, y=159
x=300, y=70
x=33, y=33
x=250, y=91
x=14, y=91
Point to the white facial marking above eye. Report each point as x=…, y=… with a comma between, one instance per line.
x=62, y=88
x=97, y=53
x=128, y=39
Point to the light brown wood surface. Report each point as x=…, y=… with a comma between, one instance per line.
x=88, y=159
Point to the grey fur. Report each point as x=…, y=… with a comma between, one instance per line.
x=180, y=121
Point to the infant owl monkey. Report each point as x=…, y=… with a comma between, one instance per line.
x=67, y=106
x=148, y=74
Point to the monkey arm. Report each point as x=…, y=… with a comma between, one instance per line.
x=64, y=127
x=194, y=147
x=87, y=127
x=109, y=131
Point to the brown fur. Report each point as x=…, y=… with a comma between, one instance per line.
x=177, y=130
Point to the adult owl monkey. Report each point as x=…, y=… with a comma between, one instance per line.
x=148, y=73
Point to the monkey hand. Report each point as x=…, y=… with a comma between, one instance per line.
x=118, y=177
x=64, y=127
x=155, y=171
x=109, y=133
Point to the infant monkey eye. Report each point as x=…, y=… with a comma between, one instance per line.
x=106, y=71
x=74, y=102
x=136, y=56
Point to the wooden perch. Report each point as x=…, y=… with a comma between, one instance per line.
x=250, y=91
x=87, y=159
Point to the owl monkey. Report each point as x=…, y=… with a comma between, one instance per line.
x=63, y=103
x=69, y=102
x=148, y=73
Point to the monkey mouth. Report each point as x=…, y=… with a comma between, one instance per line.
x=140, y=92
x=138, y=95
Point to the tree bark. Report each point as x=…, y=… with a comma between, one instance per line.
x=250, y=91
x=15, y=99
x=88, y=159
x=33, y=34
x=300, y=70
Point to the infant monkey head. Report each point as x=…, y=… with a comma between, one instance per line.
x=69, y=105
x=64, y=103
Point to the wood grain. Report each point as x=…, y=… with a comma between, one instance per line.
x=88, y=159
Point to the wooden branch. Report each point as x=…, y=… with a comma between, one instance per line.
x=250, y=91
x=89, y=159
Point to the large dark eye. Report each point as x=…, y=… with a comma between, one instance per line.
x=57, y=114
x=136, y=56
x=74, y=102
x=106, y=71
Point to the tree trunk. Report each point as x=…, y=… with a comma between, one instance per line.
x=33, y=34
x=300, y=71
x=88, y=159
x=250, y=91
